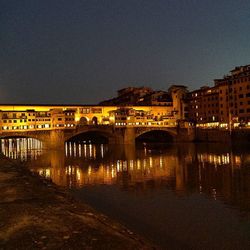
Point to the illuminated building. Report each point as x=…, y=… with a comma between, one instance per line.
x=129, y=96
x=45, y=117
x=226, y=104
x=143, y=96
x=234, y=94
x=204, y=105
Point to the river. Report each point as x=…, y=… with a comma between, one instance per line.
x=178, y=196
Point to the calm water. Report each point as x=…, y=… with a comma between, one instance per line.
x=188, y=196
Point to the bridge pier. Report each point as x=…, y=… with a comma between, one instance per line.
x=185, y=135
x=129, y=136
x=56, y=139
x=123, y=136
x=129, y=151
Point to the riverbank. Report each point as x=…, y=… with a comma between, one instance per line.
x=37, y=214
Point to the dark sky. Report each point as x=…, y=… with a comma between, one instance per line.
x=76, y=51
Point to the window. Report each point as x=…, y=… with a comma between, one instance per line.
x=84, y=110
x=241, y=96
x=241, y=111
x=96, y=110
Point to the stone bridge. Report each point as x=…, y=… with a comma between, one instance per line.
x=55, y=138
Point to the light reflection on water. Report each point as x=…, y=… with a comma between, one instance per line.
x=207, y=168
x=21, y=148
x=183, y=166
x=190, y=172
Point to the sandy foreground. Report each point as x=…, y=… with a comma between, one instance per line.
x=36, y=214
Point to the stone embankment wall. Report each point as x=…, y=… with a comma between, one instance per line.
x=224, y=136
x=241, y=135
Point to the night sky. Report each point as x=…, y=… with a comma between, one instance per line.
x=81, y=52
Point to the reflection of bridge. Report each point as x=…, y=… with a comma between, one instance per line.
x=122, y=125
x=114, y=135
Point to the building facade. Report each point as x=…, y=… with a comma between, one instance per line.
x=29, y=117
x=226, y=104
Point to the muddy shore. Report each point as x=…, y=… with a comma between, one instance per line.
x=37, y=214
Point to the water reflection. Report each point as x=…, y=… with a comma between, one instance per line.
x=131, y=184
x=23, y=149
x=217, y=171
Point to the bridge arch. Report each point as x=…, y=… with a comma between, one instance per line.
x=94, y=134
x=40, y=136
x=94, y=120
x=165, y=135
x=84, y=120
